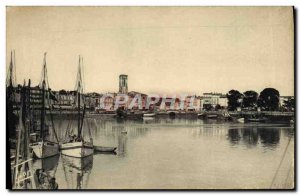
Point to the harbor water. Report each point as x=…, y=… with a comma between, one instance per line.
x=178, y=154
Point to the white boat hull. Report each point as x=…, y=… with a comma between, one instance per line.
x=77, y=149
x=149, y=114
x=148, y=118
x=241, y=120
x=45, y=149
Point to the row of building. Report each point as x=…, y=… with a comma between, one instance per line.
x=138, y=101
x=66, y=100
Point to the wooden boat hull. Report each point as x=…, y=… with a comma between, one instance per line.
x=212, y=116
x=45, y=149
x=104, y=149
x=77, y=149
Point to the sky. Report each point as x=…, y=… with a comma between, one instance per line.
x=162, y=49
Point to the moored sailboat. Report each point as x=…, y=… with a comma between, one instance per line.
x=43, y=147
x=75, y=145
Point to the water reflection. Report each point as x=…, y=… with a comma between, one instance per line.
x=234, y=135
x=47, y=164
x=122, y=141
x=154, y=152
x=269, y=137
x=77, y=171
x=252, y=136
x=45, y=171
x=289, y=132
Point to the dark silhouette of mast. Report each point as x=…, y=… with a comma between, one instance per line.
x=42, y=129
x=11, y=77
x=11, y=118
x=78, y=98
x=79, y=89
x=43, y=111
x=10, y=83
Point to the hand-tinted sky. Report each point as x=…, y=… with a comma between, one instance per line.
x=162, y=49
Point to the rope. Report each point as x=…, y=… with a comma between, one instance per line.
x=287, y=177
x=51, y=116
x=283, y=156
x=89, y=129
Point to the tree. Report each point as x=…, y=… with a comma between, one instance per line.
x=62, y=92
x=269, y=99
x=250, y=99
x=234, y=99
x=218, y=107
x=207, y=107
x=289, y=104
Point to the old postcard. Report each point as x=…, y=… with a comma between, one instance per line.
x=193, y=98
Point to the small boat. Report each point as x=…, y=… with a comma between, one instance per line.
x=92, y=115
x=134, y=116
x=124, y=114
x=211, y=116
x=149, y=114
x=256, y=120
x=241, y=120
x=104, y=149
x=200, y=114
x=148, y=118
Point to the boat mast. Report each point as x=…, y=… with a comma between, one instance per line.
x=43, y=99
x=11, y=70
x=78, y=98
x=23, y=171
x=11, y=77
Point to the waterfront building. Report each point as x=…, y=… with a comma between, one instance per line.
x=92, y=100
x=64, y=98
x=170, y=103
x=135, y=102
x=192, y=103
x=107, y=104
x=36, y=98
x=213, y=101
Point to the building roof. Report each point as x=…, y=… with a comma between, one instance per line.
x=134, y=93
